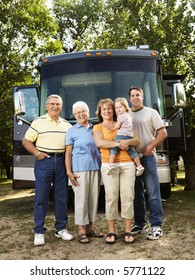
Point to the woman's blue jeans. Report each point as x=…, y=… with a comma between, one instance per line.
x=50, y=171
x=149, y=181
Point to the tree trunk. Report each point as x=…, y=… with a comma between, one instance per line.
x=189, y=162
x=8, y=171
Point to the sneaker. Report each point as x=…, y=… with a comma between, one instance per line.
x=139, y=170
x=136, y=229
x=155, y=233
x=111, y=169
x=64, y=234
x=39, y=239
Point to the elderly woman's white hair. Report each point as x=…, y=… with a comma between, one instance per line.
x=81, y=104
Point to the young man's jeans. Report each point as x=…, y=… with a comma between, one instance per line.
x=47, y=171
x=150, y=181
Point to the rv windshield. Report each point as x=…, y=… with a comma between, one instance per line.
x=92, y=79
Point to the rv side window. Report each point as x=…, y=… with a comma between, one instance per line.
x=31, y=103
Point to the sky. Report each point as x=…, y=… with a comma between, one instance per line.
x=49, y=2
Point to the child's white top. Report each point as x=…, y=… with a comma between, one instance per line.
x=126, y=128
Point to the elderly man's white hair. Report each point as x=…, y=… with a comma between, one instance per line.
x=80, y=104
x=55, y=96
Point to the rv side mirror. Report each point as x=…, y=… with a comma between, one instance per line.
x=179, y=96
x=19, y=103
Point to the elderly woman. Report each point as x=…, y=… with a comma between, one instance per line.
x=83, y=169
x=122, y=180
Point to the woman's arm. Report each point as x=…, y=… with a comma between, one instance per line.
x=107, y=144
x=68, y=163
x=124, y=144
x=102, y=143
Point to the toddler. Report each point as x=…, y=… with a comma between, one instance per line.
x=124, y=126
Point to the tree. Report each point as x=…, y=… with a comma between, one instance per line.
x=84, y=24
x=26, y=34
x=166, y=26
x=78, y=22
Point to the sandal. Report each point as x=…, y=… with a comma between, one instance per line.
x=82, y=238
x=129, y=234
x=110, y=235
x=95, y=234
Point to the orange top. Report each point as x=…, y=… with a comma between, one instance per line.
x=108, y=134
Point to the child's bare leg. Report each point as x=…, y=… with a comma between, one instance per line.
x=137, y=161
x=111, y=165
x=139, y=167
x=112, y=158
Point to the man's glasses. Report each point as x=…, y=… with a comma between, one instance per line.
x=81, y=112
x=55, y=104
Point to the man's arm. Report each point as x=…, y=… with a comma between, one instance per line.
x=30, y=147
x=161, y=135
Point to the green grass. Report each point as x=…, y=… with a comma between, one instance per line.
x=5, y=187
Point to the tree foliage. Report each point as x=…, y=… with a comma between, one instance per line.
x=29, y=31
x=26, y=34
x=166, y=26
x=77, y=21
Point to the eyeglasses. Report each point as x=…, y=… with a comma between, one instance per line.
x=55, y=104
x=81, y=112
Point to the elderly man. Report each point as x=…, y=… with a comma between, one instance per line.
x=49, y=132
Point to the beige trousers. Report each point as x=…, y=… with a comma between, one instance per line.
x=121, y=183
x=86, y=197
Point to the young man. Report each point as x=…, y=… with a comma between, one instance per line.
x=49, y=132
x=151, y=131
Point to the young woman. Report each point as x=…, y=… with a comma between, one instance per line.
x=122, y=181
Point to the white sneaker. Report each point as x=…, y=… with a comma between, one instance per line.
x=139, y=170
x=111, y=169
x=64, y=234
x=39, y=239
x=155, y=233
